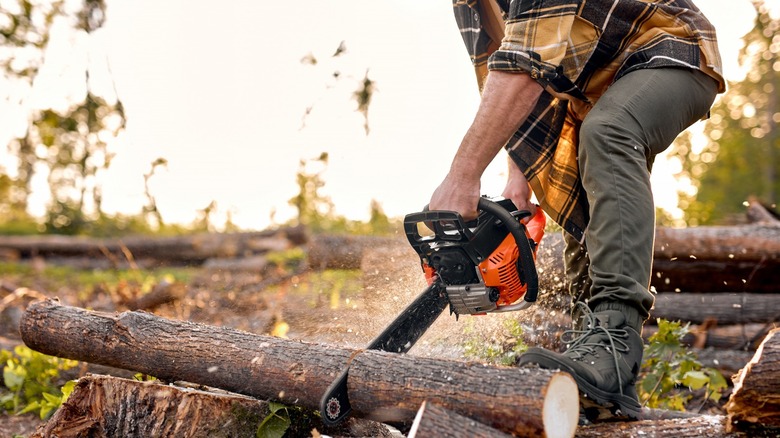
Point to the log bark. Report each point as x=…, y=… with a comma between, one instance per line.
x=701, y=426
x=756, y=395
x=105, y=407
x=728, y=362
x=722, y=308
x=298, y=373
x=433, y=420
x=108, y=407
x=728, y=337
x=181, y=249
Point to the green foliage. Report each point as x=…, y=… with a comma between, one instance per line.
x=275, y=425
x=498, y=347
x=669, y=367
x=30, y=380
x=742, y=156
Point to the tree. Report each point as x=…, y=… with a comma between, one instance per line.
x=68, y=146
x=741, y=156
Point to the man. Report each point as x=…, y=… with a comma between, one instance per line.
x=583, y=94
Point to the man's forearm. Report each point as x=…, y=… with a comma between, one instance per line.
x=507, y=99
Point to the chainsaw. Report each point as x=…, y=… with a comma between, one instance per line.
x=482, y=266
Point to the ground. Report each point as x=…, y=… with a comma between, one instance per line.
x=343, y=307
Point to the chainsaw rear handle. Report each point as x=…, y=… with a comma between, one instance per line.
x=514, y=226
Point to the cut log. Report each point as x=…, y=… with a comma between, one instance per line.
x=433, y=420
x=756, y=395
x=727, y=337
x=722, y=308
x=104, y=407
x=108, y=407
x=510, y=399
x=701, y=426
x=753, y=242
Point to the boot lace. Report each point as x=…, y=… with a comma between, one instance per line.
x=586, y=341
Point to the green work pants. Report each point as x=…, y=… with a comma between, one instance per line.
x=636, y=119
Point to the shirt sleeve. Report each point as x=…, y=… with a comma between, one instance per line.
x=548, y=41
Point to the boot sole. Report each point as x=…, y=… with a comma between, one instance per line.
x=617, y=405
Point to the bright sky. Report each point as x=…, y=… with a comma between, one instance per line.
x=219, y=91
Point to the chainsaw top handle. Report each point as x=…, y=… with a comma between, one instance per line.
x=450, y=226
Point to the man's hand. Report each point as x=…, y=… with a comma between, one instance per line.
x=518, y=190
x=457, y=193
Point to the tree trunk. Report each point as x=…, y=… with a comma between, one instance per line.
x=722, y=308
x=702, y=426
x=433, y=420
x=298, y=373
x=756, y=395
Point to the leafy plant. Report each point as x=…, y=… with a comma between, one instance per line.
x=275, y=425
x=499, y=348
x=669, y=367
x=30, y=379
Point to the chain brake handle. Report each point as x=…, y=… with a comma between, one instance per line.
x=512, y=222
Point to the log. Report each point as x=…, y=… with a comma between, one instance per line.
x=294, y=372
x=700, y=426
x=104, y=407
x=342, y=251
x=433, y=420
x=756, y=395
x=179, y=249
x=722, y=308
x=728, y=337
x=728, y=362
x=753, y=242
x=107, y=407
x=695, y=275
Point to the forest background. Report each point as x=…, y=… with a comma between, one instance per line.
x=137, y=117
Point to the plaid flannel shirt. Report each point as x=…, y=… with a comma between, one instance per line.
x=576, y=49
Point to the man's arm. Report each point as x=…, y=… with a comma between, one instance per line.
x=507, y=99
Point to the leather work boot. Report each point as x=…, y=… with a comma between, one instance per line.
x=604, y=357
